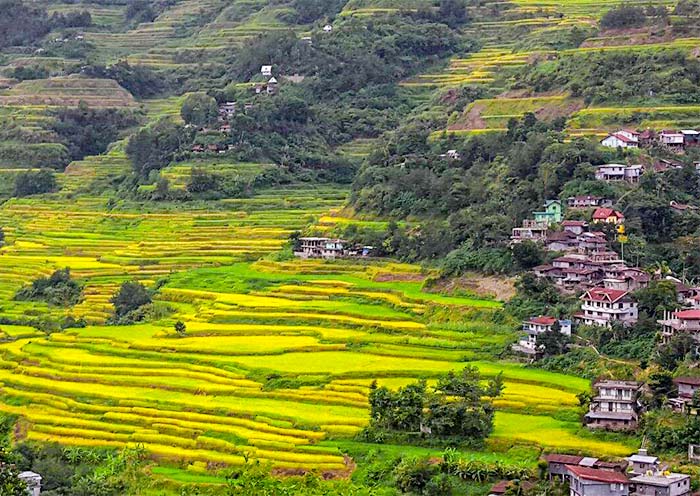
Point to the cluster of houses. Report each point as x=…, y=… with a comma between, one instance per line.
x=676, y=141
x=639, y=474
x=330, y=248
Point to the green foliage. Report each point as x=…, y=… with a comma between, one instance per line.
x=132, y=295
x=35, y=183
x=199, y=109
x=619, y=76
x=311, y=10
x=10, y=484
x=666, y=433
x=656, y=299
x=139, y=80
x=154, y=147
x=180, y=328
x=86, y=131
x=59, y=289
x=454, y=409
x=623, y=17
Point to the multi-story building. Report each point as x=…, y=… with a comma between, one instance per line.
x=615, y=405
x=682, y=321
x=624, y=138
x=311, y=247
x=530, y=231
x=551, y=214
x=536, y=326
x=619, y=172
x=605, y=306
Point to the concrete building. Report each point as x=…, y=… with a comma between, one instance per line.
x=536, y=326
x=551, y=214
x=586, y=481
x=619, y=172
x=623, y=138
x=587, y=201
x=682, y=321
x=33, y=482
x=615, y=406
x=641, y=463
x=312, y=247
x=661, y=484
x=530, y=231
x=605, y=306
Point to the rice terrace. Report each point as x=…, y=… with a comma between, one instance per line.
x=364, y=247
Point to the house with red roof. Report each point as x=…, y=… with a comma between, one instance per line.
x=605, y=306
x=623, y=138
x=681, y=321
x=608, y=216
x=587, y=481
x=534, y=327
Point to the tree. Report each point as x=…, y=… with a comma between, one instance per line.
x=661, y=387
x=131, y=296
x=657, y=298
x=199, y=109
x=623, y=17
x=10, y=483
x=180, y=328
x=35, y=183
x=59, y=289
x=453, y=12
x=202, y=181
x=154, y=147
x=553, y=342
x=2, y=237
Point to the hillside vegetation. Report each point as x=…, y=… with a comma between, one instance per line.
x=157, y=334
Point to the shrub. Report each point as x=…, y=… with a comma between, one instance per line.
x=35, y=183
x=59, y=289
x=132, y=295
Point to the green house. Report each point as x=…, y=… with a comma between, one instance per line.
x=552, y=213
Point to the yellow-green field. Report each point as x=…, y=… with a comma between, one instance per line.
x=278, y=355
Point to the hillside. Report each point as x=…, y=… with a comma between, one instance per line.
x=145, y=147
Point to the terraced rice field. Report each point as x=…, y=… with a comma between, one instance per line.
x=67, y=92
x=278, y=355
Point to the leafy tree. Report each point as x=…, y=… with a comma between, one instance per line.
x=154, y=147
x=2, y=237
x=670, y=355
x=528, y=255
x=202, y=181
x=623, y=17
x=10, y=483
x=59, y=289
x=453, y=12
x=661, y=387
x=553, y=342
x=312, y=10
x=35, y=183
x=455, y=408
x=657, y=298
x=87, y=131
x=199, y=109
x=131, y=296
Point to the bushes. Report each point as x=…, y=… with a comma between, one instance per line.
x=623, y=17
x=59, y=289
x=152, y=148
x=199, y=109
x=454, y=409
x=35, y=183
x=131, y=297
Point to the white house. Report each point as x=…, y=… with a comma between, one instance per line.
x=672, y=139
x=33, y=482
x=622, y=139
x=536, y=326
x=266, y=70
x=619, y=172
x=604, y=306
x=327, y=28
